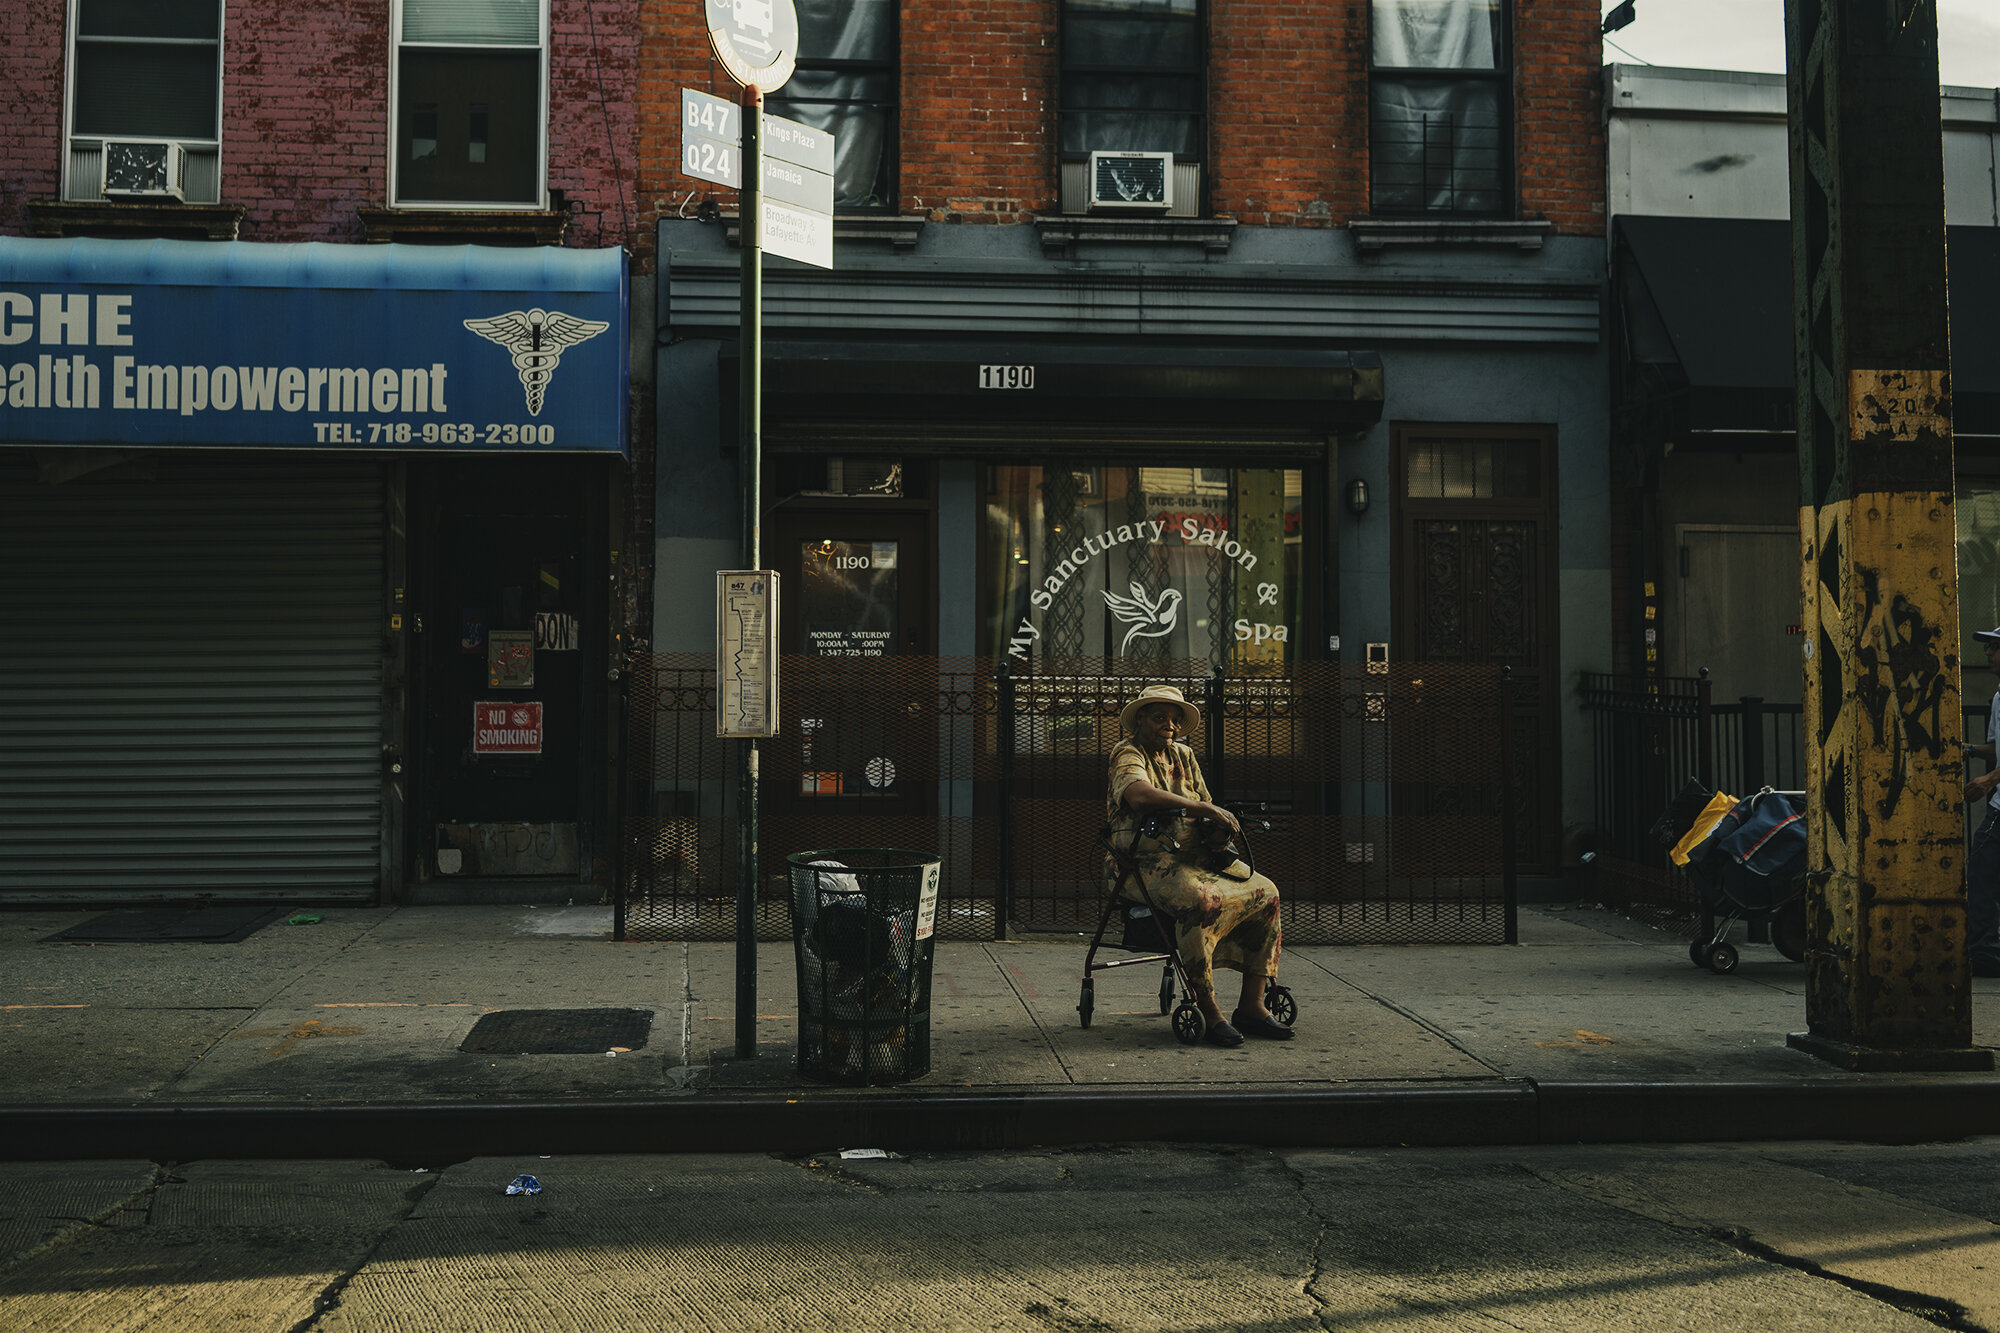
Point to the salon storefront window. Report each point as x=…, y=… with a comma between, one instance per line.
x=1165, y=563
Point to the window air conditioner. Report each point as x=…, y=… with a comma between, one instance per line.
x=1137, y=182
x=144, y=170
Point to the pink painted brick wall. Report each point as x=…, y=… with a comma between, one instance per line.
x=594, y=131
x=31, y=93
x=305, y=121
x=305, y=117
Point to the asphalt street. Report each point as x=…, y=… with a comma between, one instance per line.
x=1793, y=1236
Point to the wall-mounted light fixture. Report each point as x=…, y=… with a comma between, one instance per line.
x=1357, y=496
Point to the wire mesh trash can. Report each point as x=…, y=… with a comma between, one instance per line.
x=862, y=929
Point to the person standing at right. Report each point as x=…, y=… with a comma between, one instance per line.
x=1982, y=868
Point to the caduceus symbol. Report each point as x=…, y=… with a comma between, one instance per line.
x=537, y=338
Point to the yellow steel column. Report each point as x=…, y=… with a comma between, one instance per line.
x=1887, y=979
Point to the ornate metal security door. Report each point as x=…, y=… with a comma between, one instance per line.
x=1474, y=584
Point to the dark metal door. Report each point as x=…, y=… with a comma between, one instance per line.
x=859, y=729
x=509, y=621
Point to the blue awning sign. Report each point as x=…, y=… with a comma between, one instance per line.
x=312, y=346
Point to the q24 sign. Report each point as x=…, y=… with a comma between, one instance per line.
x=711, y=139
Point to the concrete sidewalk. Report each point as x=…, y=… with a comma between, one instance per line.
x=1593, y=1027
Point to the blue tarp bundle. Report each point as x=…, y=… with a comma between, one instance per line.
x=1755, y=855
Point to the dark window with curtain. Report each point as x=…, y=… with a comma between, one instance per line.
x=846, y=84
x=1134, y=77
x=469, y=103
x=147, y=69
x=1440, y=103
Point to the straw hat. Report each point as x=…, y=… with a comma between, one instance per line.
x=1160, y=694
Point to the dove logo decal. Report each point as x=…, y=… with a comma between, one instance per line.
x=537, y=338
x=1149, y=617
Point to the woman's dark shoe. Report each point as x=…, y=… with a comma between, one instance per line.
x=1257, y=1025
x=1221, y=1034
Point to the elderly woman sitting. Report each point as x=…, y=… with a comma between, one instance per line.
x=1226, y=915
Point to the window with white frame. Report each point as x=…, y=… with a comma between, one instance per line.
x=1440, y=101
x=845, y=83
x=469, y=96
x=145, y=99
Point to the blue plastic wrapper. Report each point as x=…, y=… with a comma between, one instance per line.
x=524, y=1185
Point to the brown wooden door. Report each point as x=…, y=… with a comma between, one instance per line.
x=1474, y=578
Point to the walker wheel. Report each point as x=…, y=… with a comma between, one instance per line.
x=1722, y=959
x=1189, y=1026
x=1698, y=953
x=1086, y=1002
x=1167, y=989
x=1281, y=1004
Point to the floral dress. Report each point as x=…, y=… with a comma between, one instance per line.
x=1224, y=919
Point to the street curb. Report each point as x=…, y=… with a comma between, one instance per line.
x=1901, y=1110
x=437, y=1134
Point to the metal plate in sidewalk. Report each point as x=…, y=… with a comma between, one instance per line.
x=558, y=1031
x=173, y=925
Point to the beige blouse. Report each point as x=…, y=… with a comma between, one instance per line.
x=1174, y=769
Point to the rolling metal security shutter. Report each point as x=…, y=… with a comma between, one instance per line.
x=193, y=706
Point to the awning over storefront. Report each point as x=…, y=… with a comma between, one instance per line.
x=1705, y=307
x=994, y=397
x=313, y=346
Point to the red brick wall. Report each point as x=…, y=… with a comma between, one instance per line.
x=1288, y=98
x=673, y=54
x=979, y=89
x=1559, y=114
x=977, y=110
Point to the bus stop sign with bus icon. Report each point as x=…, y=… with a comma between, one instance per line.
x=757, y=41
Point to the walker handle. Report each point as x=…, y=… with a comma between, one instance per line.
x=1250, y=814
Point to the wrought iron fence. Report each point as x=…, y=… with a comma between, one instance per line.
x=1384, y=788
x=1648, y=737
x=878, y=752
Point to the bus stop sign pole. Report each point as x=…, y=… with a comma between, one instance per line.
x=749, y=440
